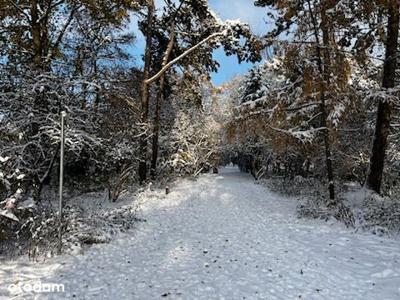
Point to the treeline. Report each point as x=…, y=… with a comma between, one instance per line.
x=326, y=103
x=127, y=119
x=130, y=119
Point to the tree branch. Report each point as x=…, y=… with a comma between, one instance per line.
x=16, y=6
x=183, y=55
x=62, y=32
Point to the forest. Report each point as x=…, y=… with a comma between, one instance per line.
x=113, y=128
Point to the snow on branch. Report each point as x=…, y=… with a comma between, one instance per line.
x=183, y=55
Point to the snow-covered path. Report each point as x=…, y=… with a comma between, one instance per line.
x=224, y=237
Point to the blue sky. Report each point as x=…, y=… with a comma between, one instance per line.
x=226, y=9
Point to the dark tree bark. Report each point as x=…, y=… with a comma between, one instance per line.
x=159, y=101
x=36, y=36
x=156, y=126
x=382, y=127
x=145, y=92
x=324, y=115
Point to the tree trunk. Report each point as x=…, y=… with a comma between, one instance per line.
x=97, y=90
x=45, y=179
x=145, y=92
x=156, y=128
x=323, y=61
x=326, y=75
x=40, y=37
x=382, y=127
x=36, y=36
x=159, y=101
x=39, y=42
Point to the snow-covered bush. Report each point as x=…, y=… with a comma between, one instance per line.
x=87, y=219
x=374, y=213
x=196, y=146
x=190, y=139
x=380, y=215
x=30, y=128
x=99, y=144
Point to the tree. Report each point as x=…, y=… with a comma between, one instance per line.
x=142, y=171
x=312, y=20
x=50, y=64
x=385, y=106
x=34, y=30
x=193, y=30
x=324, y=64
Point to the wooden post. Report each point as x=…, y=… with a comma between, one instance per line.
x=61, y=182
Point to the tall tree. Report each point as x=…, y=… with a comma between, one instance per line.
x=142, y=171
x=43, y=77
x=315, y=35
x=197, y=32
x=324, y=65
x=385, y=106
x=159, y=101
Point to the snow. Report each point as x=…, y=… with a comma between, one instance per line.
x=222, y=237
x=8, y=214
x=4, y=159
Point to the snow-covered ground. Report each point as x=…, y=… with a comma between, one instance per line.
x=221, y=237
